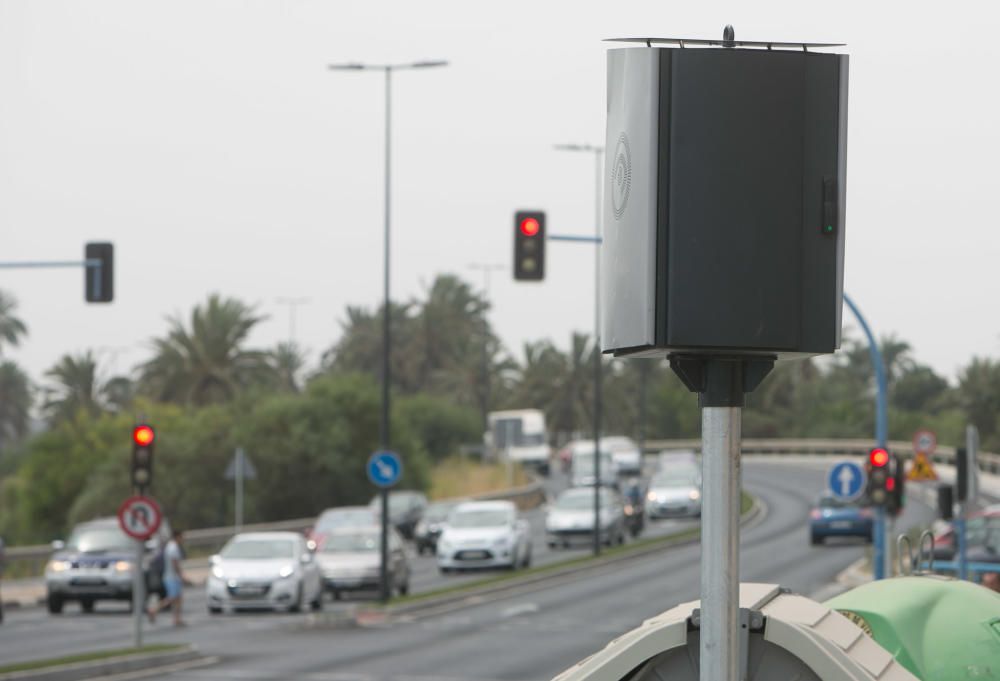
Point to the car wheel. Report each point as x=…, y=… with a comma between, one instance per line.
x=297, y=605
x=214, y=610
x=54, y=603
x=87, y=605
x=317, y=604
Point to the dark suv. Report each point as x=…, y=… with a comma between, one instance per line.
x=96, y=563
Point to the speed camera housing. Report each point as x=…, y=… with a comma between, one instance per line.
x=723, y=227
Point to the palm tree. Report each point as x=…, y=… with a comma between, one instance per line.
x=75, y=388
x=11, y=328
x=15, y=403
x=207, y=362
x=288, y=360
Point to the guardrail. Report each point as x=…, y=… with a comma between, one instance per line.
x=988, y=461
x=23, y=561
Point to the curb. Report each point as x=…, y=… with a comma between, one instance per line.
x=188, y=657
x=476, y=596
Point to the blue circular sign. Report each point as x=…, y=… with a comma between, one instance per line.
x=847, y=480
x=384, y=468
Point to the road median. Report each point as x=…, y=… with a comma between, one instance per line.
x=148, y=661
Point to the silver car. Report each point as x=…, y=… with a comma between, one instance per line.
x=571, y=517
x=273, y=570
x=484, y=534
x=674, y=491
x=96, y=563
x=351, y=560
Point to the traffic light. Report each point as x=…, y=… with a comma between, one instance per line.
x=529, y=245
x=878, y=476
x=99, y=272
x=895, y=485
x=143, y=438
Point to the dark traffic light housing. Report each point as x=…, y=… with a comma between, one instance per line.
x=879, y=475
x=896, y=486
x=529, y=245
x=99, y=272
x=143, y=438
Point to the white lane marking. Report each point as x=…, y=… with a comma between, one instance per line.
x=520, y=609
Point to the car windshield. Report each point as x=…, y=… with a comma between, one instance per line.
x=677, y=478
x=479, y=518
x=829, y=501
x=259, y=549
x=95, y=540
x=345, y=518
x=438, y=512
x=351, y=543
x=580, y=501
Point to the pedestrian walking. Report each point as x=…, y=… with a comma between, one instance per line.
x=173, y=580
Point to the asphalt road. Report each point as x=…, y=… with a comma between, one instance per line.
x=529, y=636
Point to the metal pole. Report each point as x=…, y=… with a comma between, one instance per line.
x=386, y=340
x=643, y=387
x=880, y=558
x=238, y=520
x=720, y=536
x=138, y=595
x=597, y=353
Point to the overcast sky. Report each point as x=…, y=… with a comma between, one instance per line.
x=210, y=143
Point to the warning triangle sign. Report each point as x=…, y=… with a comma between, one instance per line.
x=921, y=469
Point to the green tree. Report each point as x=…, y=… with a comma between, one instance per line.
x=15, y=404
x=207, y=362
x=74, y=386
x=12, y=329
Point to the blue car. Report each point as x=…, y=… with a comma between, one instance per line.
x=834, y=518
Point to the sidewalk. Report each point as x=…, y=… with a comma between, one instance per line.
x=26, y=593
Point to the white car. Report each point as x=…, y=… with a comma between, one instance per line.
x=624, y=452
x=484, y=534
x=274, y=570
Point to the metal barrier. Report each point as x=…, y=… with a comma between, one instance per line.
x=988, y=461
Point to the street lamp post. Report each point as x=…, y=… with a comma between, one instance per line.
x=384, y=424
x=598, y=177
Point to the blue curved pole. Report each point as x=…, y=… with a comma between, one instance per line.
x=881, y=433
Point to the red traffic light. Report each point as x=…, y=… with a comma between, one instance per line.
x=143, y=435
x=878, y=457
x=529, y=227
x=890, y=484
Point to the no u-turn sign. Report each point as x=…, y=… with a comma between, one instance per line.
x=139, y=517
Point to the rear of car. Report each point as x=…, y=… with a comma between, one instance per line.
x=831, y=517
x=341, y=517
x=624, y=452
x=583, y=466
x=264, y=570
x=96, y=564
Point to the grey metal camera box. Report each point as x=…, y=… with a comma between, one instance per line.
x=724, y=202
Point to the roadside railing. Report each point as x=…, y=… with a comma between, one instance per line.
x=29, y=561
x=988, y=461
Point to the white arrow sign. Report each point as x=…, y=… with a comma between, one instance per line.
x=846, y=478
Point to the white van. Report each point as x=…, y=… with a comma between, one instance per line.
x=519, y=434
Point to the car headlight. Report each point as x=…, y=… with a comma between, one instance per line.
x=217, y=572
x=58, y=565
x=695, y=495
x=501, y=541
x=123, y=566
x=444, y=545
x=652, y=496
x=286, y=571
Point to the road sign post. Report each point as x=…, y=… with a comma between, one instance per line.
x=140, y=518
x=384, y=470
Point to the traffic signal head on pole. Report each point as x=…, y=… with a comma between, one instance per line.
x=99, y=272
x=895, y=485
x=878, y=476
x=529, y=245
x=143, y=438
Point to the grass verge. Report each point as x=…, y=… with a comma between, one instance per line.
x=746, y=503
x=462, y=477
x=87, y=657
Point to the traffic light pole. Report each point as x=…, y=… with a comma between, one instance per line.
x=880, y=558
